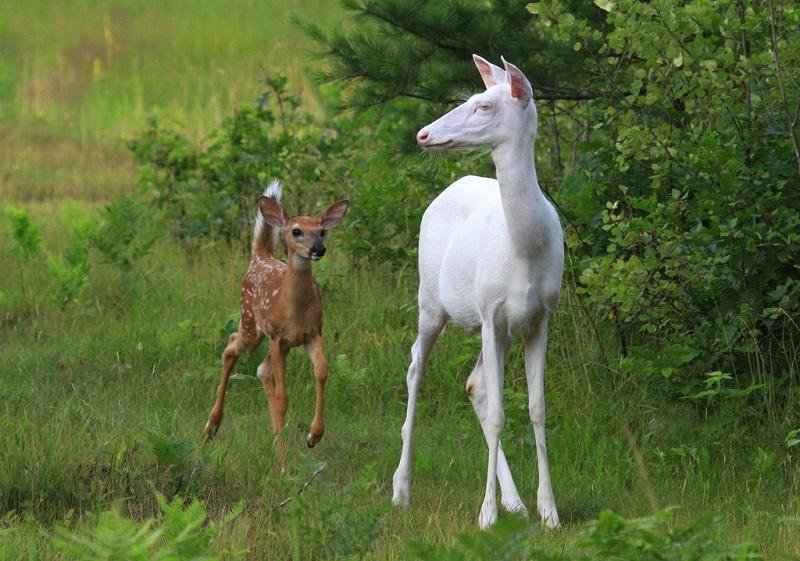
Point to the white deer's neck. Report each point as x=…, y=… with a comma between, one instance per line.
x=526, y=209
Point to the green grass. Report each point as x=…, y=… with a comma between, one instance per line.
x=77, y=78
x=105, y=400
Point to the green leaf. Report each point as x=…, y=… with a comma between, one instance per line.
x=534, y=7
x=605, y=5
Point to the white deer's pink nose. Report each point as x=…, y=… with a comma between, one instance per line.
x=422, y=137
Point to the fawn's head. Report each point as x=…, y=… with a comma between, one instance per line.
x=303, y=236
x=504, y=112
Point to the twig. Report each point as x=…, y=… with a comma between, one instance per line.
x=314, y=474
x=641, y=469
x=773, y=25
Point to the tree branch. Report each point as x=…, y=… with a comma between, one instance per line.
x=773, y=26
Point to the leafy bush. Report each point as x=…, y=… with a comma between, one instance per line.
x=122, y=238
x=180, y=533
x=692, y=249
x=611, y=538
x=615, y=538
x=27, y=243
x=71, y=267
x=322, y=529
x=209, y=190
x=27, y=236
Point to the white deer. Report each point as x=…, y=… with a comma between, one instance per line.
x=491, y=257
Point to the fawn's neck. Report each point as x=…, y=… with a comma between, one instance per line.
x=298, y=283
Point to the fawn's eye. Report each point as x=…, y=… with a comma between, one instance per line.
x=322, y=233
x=297, y=232
x=484, y=106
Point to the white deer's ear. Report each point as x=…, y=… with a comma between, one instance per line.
x=520, y=86
x=271, y=211
x=332, y=215
x=491, y=74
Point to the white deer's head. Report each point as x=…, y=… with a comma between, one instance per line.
x=505, y=112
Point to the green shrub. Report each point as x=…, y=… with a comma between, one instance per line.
x=686, y=196
x=678, y=196
x=180, y=533
x=27, y=236
x=122, y=237
x=611, y=538
x=209, y=190
x=615, y=538
x=71, y=267
x=322, y=529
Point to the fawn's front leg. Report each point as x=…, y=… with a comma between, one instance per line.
x=237, y=343
x=317, y=356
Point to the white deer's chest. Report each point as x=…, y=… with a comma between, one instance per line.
x=496, y=289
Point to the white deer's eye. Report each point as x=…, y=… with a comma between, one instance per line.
x=484, y=106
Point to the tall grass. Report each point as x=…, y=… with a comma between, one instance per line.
x=76, y=78
x=118, y=410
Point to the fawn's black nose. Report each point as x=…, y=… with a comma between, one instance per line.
x=317, y=252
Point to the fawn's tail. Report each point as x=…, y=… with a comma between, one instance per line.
x=265, y=237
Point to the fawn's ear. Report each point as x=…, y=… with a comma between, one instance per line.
x=490, y=73
x=271, y=211
x=332, y=215
x=520, y=86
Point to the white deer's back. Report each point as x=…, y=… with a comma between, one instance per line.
x=469, y=266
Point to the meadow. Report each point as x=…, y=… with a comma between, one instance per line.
x=105, y=395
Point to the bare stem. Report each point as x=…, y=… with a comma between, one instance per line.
x=791, y=116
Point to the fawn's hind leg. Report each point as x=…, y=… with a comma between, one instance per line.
x=271, y=372
x=239, y=342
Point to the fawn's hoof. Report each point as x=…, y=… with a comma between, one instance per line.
x=209, y=431
x=312, y=439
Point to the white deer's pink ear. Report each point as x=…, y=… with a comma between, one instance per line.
x=491, y=74
x=520, y=86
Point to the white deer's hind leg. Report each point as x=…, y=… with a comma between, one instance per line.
x=431, y=324
x=476, y=390
x=494, y=352
x=535, y=347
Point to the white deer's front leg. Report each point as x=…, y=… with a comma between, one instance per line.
x=494, y=357
x=476, y=390
x=535, y=347
x=430, y=326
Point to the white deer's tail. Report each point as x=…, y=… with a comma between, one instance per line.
x=265, y=237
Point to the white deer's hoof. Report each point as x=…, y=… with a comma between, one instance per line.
x=209, y=430
x=401, y=500
x=549, y=514
x=488, y=514
x=401, y=495
x=516, y=507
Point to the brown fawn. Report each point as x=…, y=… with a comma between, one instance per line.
x=283, y=302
